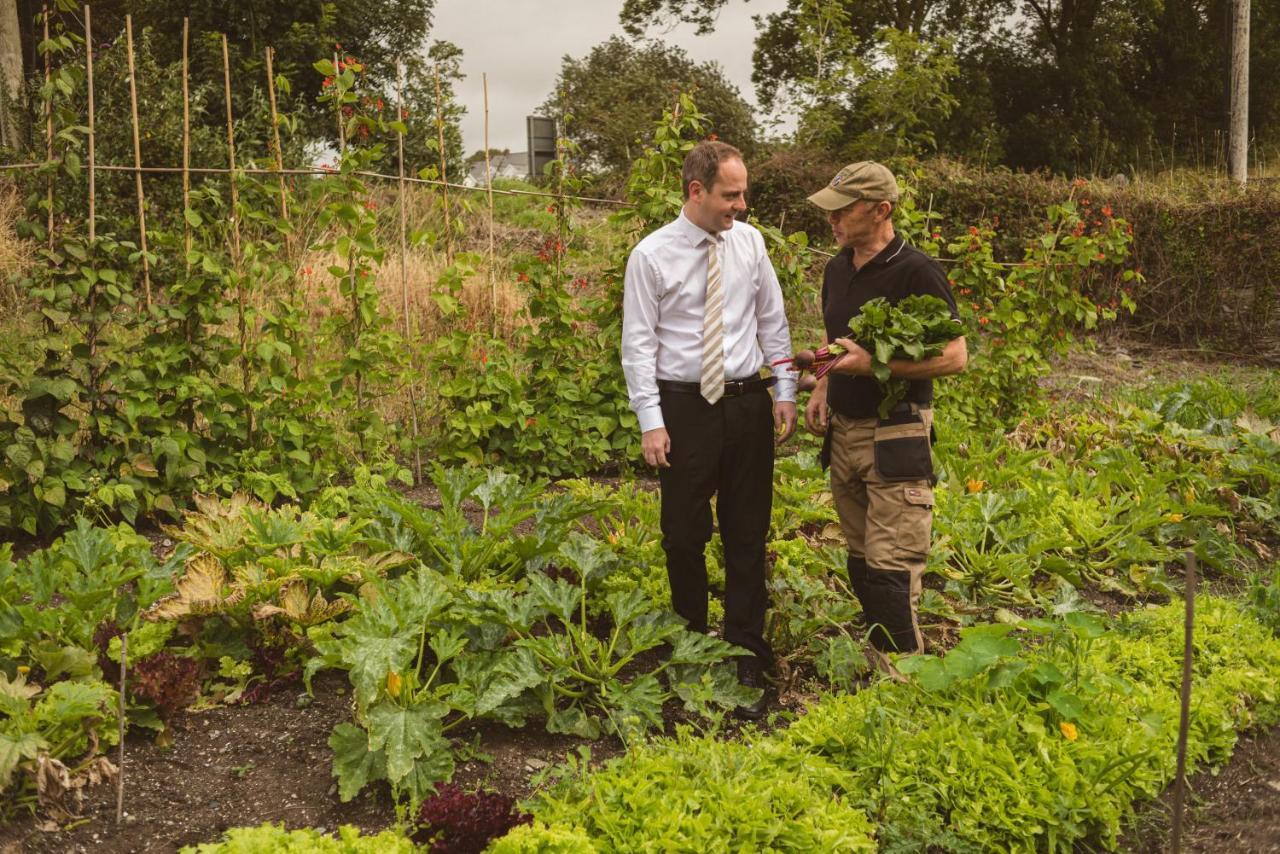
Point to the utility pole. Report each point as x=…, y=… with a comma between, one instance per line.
x=1238, y=95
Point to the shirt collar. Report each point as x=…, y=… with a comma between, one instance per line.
x=890, y=251
x=695, y=234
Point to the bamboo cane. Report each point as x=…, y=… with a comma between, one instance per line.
x=235, y=233
x=444, y=178
x=186, y=135
x=560, y=169
x=1184, y=722
x=404, y=277
x=137, y=162
x=124, y=665
x=337, y=105
x=488, y=171
x=48, y=122
x=275, y=133
x=88, y=76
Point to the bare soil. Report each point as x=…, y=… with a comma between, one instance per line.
x=1235, y=811
x=245, y=765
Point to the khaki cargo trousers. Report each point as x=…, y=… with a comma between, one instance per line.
x=886, y=524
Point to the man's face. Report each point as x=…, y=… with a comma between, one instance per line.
x=856, y=223
x=714, y=208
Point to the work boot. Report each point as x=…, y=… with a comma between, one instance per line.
x=751, y=675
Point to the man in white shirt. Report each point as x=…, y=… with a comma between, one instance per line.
x=702, y=314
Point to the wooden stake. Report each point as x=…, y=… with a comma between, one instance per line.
x=488, y=172
x=275, y=133
x=337, y=104
x=444, y=179
x=137, y=162
x=124, y=665
x=48, y=121
x=235, y=231
x=404, y=278
x=88, y=76
x=1184, y=722
x=186, y=135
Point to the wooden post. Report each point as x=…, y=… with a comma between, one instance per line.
x=235, y=231
x=275, y=134
x=124, y=665
x=404, y=278
x=444, y=177
x=1184, y=722
x=48, y=122
x=186, y=135
x=488, y=174
x=88, y=76
x=137, y=162
x=337, y=105
x=1238, y=83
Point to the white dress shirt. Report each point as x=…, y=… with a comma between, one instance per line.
x=664, y=295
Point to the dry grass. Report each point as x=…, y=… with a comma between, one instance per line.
x=15, y=254
x=482, y=305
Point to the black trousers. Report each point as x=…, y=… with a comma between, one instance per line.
x=725, y=450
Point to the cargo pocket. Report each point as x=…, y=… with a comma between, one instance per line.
x=902, y=449
x=916, y=523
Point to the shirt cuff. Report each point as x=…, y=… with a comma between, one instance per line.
x=650, y=418
x=784, y=391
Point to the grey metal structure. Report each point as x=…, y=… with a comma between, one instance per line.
x=542, y=143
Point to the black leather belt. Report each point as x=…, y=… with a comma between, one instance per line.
x=732, y=388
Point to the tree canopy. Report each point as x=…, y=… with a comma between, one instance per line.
x=1072, y=85
x=614, y=94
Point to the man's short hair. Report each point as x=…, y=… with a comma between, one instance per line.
x=702, y=163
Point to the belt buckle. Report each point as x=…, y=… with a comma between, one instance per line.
x=733, y=387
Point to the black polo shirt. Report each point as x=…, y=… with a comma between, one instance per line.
x=898, y=271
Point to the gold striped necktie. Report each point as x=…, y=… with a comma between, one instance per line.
x=713, y=328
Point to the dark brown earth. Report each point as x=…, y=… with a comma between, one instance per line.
x=245, y=765
x=1236, y=811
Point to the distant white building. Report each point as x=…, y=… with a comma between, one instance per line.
x=512, y=164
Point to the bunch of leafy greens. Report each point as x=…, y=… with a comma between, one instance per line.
x=916, y=328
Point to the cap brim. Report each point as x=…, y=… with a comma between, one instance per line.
x=830, y=199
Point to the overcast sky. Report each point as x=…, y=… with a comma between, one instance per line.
x=519, y=44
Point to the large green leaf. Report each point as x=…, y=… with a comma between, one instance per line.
x=354, y=764
x=406, y=734
x=15, y=748
x=371, y=658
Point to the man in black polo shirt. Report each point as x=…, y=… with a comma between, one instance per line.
x=884, y=498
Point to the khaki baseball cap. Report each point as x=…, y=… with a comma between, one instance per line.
x=864, y=180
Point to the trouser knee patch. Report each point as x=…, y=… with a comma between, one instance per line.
x=888, y=607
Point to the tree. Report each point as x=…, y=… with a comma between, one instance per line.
x=614, y=95
x=377, y=32
x=10, y=74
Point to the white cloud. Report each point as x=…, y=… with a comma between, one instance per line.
x=519, y=45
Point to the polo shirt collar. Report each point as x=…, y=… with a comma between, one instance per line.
x=889, y=252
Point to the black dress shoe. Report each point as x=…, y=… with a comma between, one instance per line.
x=751, y=675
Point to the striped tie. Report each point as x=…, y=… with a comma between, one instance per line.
x=713, y=330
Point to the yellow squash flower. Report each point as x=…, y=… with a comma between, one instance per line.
x=1069, y=731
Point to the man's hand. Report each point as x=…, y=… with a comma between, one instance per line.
x=855, y=363
x=817, y=415
x=784, y=420
x=656, y=444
